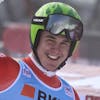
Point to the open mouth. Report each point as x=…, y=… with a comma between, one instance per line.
x=52, y=57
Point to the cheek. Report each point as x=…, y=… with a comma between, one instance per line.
x=41, y=49
x=66, y=52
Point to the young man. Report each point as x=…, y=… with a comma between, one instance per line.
x=56, y=29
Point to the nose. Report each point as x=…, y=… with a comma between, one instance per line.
x=56, y=49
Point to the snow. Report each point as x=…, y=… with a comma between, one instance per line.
x=94, y=82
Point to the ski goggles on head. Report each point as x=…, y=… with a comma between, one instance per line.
x=61, y=24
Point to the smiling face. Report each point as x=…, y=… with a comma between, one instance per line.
x=52, y=50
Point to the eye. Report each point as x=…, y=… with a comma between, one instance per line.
x=65, y=44
x=50, y=41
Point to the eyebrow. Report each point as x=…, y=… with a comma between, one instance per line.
x=52, y=37
x=66, y=41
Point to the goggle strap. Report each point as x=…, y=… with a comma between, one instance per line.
x=67, y=34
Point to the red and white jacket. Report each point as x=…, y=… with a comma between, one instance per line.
x=9, y=70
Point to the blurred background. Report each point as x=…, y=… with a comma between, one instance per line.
x=15, y=19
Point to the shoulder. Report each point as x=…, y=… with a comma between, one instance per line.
x=76, y=95
x=9, y=69
x=7, y=62
x=70, y=87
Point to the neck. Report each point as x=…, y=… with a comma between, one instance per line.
x=48, y=73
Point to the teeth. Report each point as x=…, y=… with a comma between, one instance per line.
x=53, y=57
